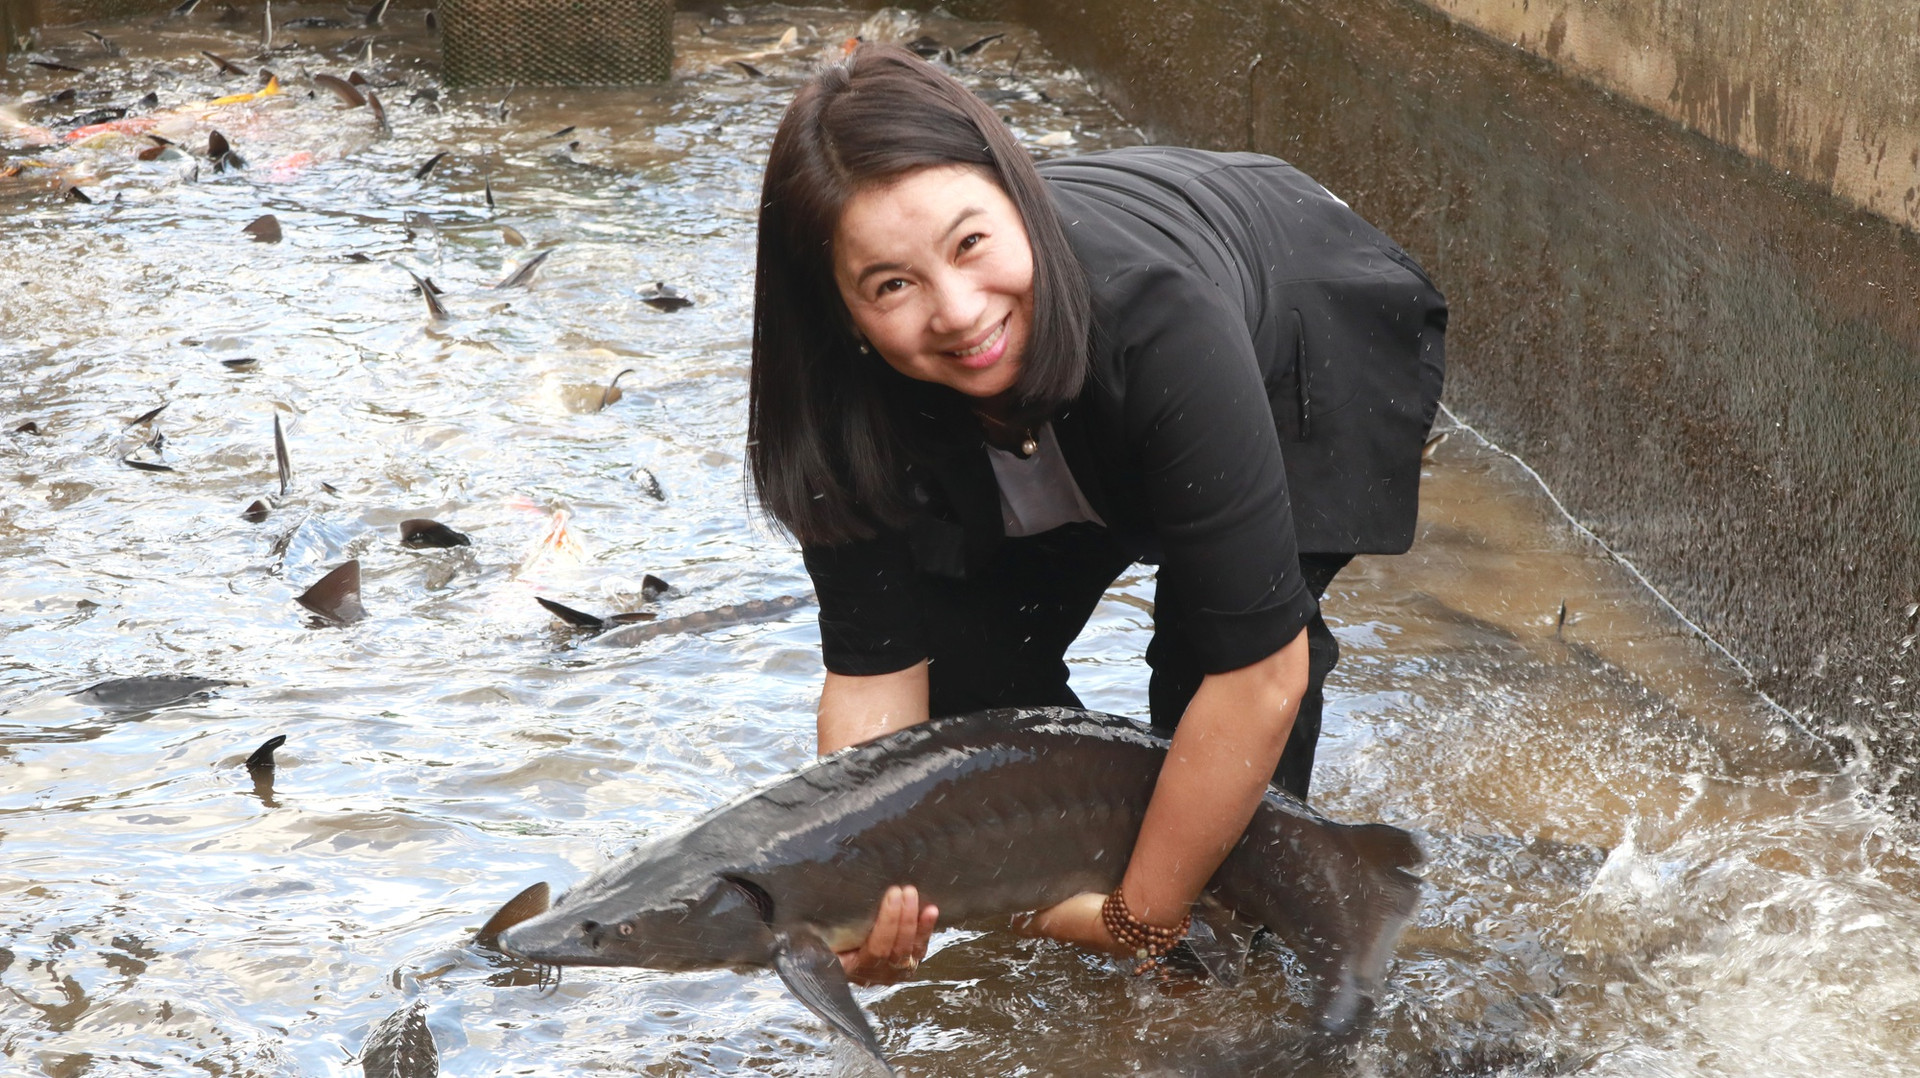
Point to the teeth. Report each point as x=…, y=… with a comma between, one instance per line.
x=986, y=344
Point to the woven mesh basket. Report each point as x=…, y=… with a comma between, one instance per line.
x=66, y=12
x=555, y=42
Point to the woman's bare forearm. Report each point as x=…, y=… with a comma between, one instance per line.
x=1217, y=770
x=856, y=709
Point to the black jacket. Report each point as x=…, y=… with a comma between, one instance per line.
x=1266, y=366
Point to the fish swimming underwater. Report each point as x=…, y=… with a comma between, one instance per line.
x=988, y=814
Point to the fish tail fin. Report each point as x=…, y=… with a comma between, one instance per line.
x=1348, y=959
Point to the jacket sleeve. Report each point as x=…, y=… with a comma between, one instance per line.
x=869, y=615
x=1197, y=420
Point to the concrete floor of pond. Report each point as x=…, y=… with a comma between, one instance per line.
x=1637, y=866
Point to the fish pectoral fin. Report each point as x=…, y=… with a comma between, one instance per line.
x=1219, y=941
x=813, y=973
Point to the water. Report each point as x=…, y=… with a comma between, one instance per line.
x=1638, y=867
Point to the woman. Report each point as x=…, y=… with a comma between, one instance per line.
x=981, y=389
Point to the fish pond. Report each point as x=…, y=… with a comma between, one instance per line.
x=1636, y=865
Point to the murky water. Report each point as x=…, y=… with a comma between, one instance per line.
x=1637, y=867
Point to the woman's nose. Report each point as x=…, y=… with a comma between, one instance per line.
x=957, y=303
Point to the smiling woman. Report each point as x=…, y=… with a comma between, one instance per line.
x=942, y=300
x=982, y=389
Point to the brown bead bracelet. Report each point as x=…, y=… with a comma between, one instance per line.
x=1149, y=943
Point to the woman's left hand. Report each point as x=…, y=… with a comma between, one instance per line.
x=898, y=942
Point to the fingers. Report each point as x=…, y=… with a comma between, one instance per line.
x=898, y=942
x=902, y=944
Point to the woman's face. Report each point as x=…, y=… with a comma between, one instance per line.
x=936, y=270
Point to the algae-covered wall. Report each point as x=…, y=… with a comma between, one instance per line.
x=1714, y=364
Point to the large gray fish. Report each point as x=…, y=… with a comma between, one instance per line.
x=988, y=814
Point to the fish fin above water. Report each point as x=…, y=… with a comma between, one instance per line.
x=612, y=392
x=401, y=1046
x=262, y=758
x=522, y=277
x=379, y=112
x=1348, y=959
x=336, y=596
x=813, y=973
x=282, y=461
x=436, y=311
x=571, y=616
x=1218, y=942
x=528, y=904
x=264, y=229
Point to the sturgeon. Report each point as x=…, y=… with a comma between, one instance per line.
x=988, y=814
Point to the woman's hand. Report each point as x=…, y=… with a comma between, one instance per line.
x=1077, y=921
x=893, y=950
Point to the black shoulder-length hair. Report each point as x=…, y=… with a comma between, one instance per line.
x=827, y=440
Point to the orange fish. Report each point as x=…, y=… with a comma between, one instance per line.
x=132, y=125
x=140, y=125
x=289, y=166
x=269, y=90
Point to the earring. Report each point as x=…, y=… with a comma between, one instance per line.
x=864, y=350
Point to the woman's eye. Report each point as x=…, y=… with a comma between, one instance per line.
x=893, y=284
x=971, y=242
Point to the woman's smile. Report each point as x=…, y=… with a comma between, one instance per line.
x=937, y=274
x=987, y=352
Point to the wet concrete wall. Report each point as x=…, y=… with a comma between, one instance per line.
x=1828, y=91
x=1715, y=365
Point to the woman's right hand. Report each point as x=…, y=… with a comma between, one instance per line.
x=898, y=942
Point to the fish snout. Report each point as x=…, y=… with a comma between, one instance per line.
x=564, y=940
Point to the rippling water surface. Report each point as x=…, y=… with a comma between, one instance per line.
x=1637, y=867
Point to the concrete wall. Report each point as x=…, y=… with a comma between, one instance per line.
x=1714, y=364
x=1822, y=89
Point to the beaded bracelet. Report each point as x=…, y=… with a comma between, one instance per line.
x=1149, y=943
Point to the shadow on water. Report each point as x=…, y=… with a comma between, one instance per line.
x=1637, y=866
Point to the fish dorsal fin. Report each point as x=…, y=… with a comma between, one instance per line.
x=336, y=596
x=262, y=758
x=813, y=973
x=529, y=903
x=571, y=616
